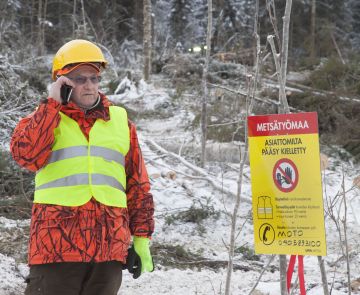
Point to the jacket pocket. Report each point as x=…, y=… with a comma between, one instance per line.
x=117, y=221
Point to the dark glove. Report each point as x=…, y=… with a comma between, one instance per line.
x=133, y=263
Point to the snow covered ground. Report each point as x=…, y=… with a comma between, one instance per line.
x=192, y=217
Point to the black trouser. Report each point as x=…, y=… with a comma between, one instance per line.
x=75, y=278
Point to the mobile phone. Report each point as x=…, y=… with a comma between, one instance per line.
x=65, y=93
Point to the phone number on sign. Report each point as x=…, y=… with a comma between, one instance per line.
x=300, y=243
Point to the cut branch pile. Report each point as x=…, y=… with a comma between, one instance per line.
x=199, y=171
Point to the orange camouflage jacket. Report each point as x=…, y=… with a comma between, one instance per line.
x=91, y=232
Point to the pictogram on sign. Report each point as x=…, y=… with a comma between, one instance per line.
x=285, y=175
x=264, y=208
x=266, y=234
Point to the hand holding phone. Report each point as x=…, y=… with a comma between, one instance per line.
x=61, y=90
x=65, y=93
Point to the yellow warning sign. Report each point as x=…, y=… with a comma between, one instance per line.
x=286, y=184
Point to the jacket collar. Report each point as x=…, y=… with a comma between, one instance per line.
x=99, y=111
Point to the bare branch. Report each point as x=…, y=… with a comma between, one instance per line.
x=344, y=221
x=270, y=5
x=270, y=39
x=261, y=274
x=244, y=94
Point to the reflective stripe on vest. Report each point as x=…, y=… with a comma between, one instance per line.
x=79, y=169
x=83, y=178
x=78, y=151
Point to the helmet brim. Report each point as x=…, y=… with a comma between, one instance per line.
x=69, y=69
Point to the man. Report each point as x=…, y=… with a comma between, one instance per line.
x=91, y=185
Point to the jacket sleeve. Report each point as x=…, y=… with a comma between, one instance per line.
x=33, y=137
x=140, y=200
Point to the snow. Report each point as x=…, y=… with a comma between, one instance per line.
x=181, y=282
x=11, y=279
x=130, y=92
x=176, y=194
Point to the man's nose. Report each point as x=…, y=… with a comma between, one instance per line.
x=88, y=83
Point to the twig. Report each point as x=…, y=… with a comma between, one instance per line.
x=261, y=274
x=276, y=56
x=212, y=285
x=337, y=48
x=270, y=4
x=226, y=123
x=345, y=235
x=155, y=158
x=34, y=102
x=242, y=226
x=22, y=187
x=244, y=94
x=16, y=208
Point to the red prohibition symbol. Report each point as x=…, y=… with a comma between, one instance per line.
x=285, y=175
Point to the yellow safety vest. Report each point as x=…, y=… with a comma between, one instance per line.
x=79, y=169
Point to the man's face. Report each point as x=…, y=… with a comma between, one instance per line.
x=86, y=80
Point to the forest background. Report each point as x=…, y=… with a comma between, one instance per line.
x=323, y=67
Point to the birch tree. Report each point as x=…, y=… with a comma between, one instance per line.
x=41, y=17
x=147, y=40
x=74, y=19
x=280, y=60
x=84, y=31
x=205, y=87
x=251, y=90
x=312, y=29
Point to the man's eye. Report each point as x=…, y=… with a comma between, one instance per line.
x=95, y=79
x=80, y=80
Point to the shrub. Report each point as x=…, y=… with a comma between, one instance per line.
x=16, y=189
x=335, y=76
x=247, y=252
x=338, y=119
x=196, y=214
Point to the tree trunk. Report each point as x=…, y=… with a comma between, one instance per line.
x=284, y=57
x=74, y=20
x=205, y=87
x=283, y=266
x=243, y=157
x=43, y=26
x=284, y=108
x=312, y=30
x=139, y=19
x=344, y=222
x=40, y=41
x=323, y=275
x=147, y=40
x=84, y=31
x=281, y=68
x=256, y=24
x=32, y=33
x=218, y=36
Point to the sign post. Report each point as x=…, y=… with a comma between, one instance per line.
x=287, y=198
